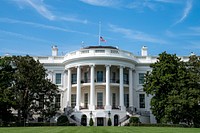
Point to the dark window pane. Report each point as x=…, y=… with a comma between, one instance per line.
x=58, y=78
x=142, y=100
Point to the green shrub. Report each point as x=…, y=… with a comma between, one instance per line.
x=91, y=123
x=109, y=122
x=72, y=124
x=134, y=120
x=63, y=121
x=157, y=125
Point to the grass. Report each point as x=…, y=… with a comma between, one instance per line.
x=98, y=130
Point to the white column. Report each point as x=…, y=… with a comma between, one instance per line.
x=121, y=88
x=78, y=89
x=108, y=107
x=69, y=87
x=130, y=87
x=64, y=93
x=92, y=88
x=135, y=95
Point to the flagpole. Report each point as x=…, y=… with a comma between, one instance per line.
x=99, y=32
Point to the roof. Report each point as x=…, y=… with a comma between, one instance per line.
x=95, y=47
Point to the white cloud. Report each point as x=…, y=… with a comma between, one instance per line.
x=196, y=29
x=7, y=20
x=186, y=12
x=192, y=32
x=23, y=36
x=195, y=44
x=43, y=10
x=140, y=5
x=135, y=35
x=39, y=6
x=169, y=1
x=105, y=3
x=73, y=19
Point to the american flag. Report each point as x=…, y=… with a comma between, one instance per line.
x=102, y=40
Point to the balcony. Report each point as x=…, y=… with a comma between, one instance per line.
x=84, y=107
x=99, y=107
x=115, y=107
x=112, y=81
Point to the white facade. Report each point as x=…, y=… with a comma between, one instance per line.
x=101, y=82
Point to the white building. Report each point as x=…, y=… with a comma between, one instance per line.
x=101, y=82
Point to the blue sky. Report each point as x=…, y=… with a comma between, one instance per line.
x=33, y=26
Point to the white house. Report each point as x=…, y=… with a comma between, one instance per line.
x=101, y=82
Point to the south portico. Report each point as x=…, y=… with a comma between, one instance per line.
x=98, y=81
x=98, y=89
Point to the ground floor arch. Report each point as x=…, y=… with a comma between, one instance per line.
x=84, y=120
x=116, y=120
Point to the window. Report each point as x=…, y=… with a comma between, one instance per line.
x=58, y=78
x=73, y=100
x=84, y=51
x=141, y=78
x=113, y=80
x=85, y=77
x=74, y=78
x=114, y=51
x=142, y=100
x=125, y=78
x=57, y=101
x=99, y=51
x=86, y=100
x=99, y=76
x=100, y=100
x=114, y=100
x=126, y=100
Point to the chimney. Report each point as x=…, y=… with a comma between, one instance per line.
x=192, y=53
x=144, y=51
x=54, y=50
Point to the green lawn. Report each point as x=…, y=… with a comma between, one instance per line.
x=98, y=130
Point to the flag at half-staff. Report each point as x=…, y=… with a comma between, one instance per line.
x=102, y=39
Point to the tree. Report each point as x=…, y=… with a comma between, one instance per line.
x=91, y=122
x=109, y=122
x=160, y=83
x=63, y=121
x=174, y=86
x=6, y=93
x=134, y=120
x=34, y=93
x=192, y=92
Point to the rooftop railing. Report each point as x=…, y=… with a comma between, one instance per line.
x=100, y=52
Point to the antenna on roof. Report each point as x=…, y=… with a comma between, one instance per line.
x=99, y=33
x=82, y=44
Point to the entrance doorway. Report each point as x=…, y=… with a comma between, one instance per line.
x=100, y=121
x=84, y=120
x=116, y=120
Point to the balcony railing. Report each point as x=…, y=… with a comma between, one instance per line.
x=84, y=107
x=99, y=106
x=102, y=52
x=99, y=81
x=115, y=107
x=114, y=80
x=85, y=81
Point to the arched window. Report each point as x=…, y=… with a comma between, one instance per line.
x=84, y=120
x=116, y=120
